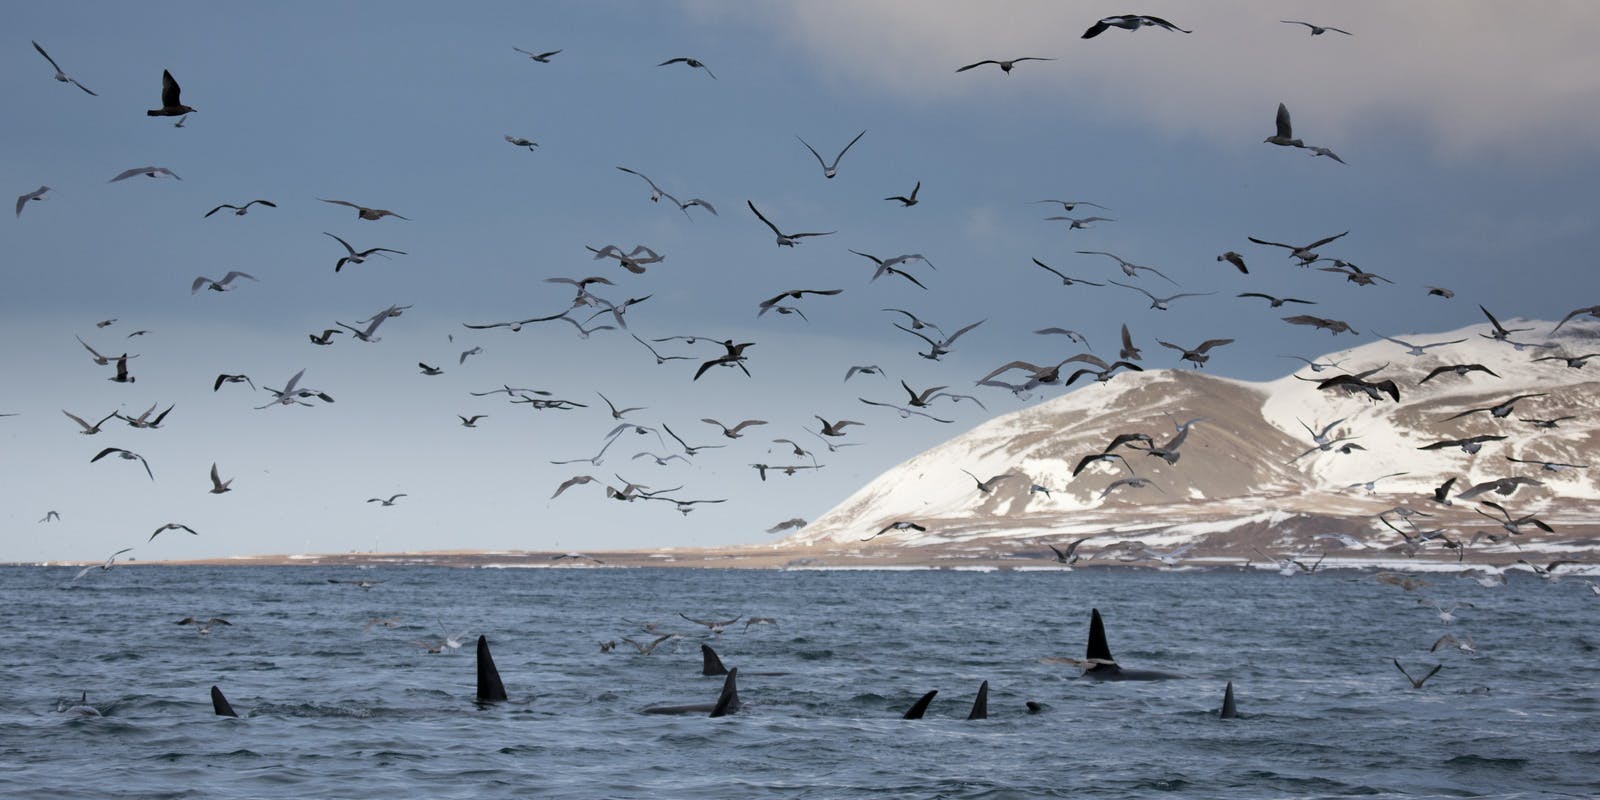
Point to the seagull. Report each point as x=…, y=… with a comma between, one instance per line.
x=36, y=194
x=362, y=212
x=871, y=369
x=784, y=240
x=1502, y=486
x=239, y=211
x=109, y=563
x=1160, y=303
x=734, y=357
x=829, y=170
x=771, y=303
x=126, y=455
x=689, y=62
x=218, y=485
x=1512, y=526
x=1500, y=410
x=63, y=77
x=388, y=502
x=1196, y=355
x=942, y=347
x=1592, y=311
x=1416, y=683
x=472, y=421
x=51, y=516
x=363, y=584
x=1316, y=30
x=100, y=359
x=148, y=172
x=429, y=370
x=1238, y=262
x=1128, y=268
x=988, y=486
x=291, y=393
x=122, y=375
x=1070, y=555
x=1440, y=291
x=1285, y=135
x=170, y=105
x=1005, y=66
x=205, y=625
x=530, y=144
x=365, y=334
x=1316, y=366
x=898, y=525
x=1354, y=274
x=1457, y=369
x=88, y=430
x=542, y=58
x=1129, y=22
x=1546, y=573
x=1305, y=254
x=218, y=286
x=660, y=359
x=571, y=482
x=905, y=413
x=1371, y=485
x=1469, y=445
x=326, y=338
x=1079, y=223
x=1549, y=466
x=1132, y=482
x=1277, y=301
x=144, y=420
x=1333, y=326
x=1501, y=332
x=887, y=266
x=1323, y=151
x=833, y=428
x=1572, y=362
x=688, y=449
x=733, y=432
x=715, y=626
x=1464, y=643
x=1084, y=462
x=795, y=523
x=1065, y=280
x=355, y=257
x=905, y=201
x=172, y=526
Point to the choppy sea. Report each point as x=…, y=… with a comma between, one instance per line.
x=330, y=710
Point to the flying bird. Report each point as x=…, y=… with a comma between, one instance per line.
x=1416, y=683
x=1079, y=223
x=784, y=240
x=1285, y=133
x=218, y=286
x=63, y=77
x=239, y=211
x=362, y=212
x=898, y=525
x=1418, y=349
x=1065, y=280
x=688, y=62
x=1456, y=369
x=1160, y=303
x=1237, y=261
x=383, y=502
x=148, y=172
x=1128, y=268
x=36, y=194
x=542, y=58
x=1277, y=301
x=1196, y=355
x=170, y=105
x=1005, y=66
x=1333, y=326
x=1130, y=22
x=829, y=170
x=218, y=485
x=518, y=141
x=905, y=201
x=172, y=526
x=1305, y=253
x=126, y=455
x=357, y=257
x=109, y=563
x=1316, y=30
x=88, y=430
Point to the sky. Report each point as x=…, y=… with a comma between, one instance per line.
x=1464, y=125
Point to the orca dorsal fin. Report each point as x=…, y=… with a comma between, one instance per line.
x=728, y=701
x=980, y=706
x=1098, y=649
x=219, y=704
x=1229, y=710
x=710, y=664
x=920, y=707
x=490, y=689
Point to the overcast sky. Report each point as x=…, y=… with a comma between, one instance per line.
x=1466, y=126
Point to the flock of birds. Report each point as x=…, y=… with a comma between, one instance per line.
x=590, y=312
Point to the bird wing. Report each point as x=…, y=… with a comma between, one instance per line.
x=847, y=147
x=768, y=222
x=967, y=67
x=169, y=90
x=1285, y=130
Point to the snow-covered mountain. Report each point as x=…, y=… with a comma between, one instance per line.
x=1244, y=480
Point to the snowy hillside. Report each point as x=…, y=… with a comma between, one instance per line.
x=1240, y=480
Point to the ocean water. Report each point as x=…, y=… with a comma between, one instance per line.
x=330, y=711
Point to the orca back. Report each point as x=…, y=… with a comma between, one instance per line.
x=920, y=707
x=490, y=689
x=1098, y=648
x=219, y=704
x=710, y=664
x=1229, y=710
x=980, y=706
x=728, y=701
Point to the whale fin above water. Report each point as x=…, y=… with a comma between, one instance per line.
x=1229, y=710
x=1103, y=666
x=728, y=701
x=490, y=689
x=219, y=704
x=980, y=706
x=920, y=707
x=83, y=709
x=710, y=663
